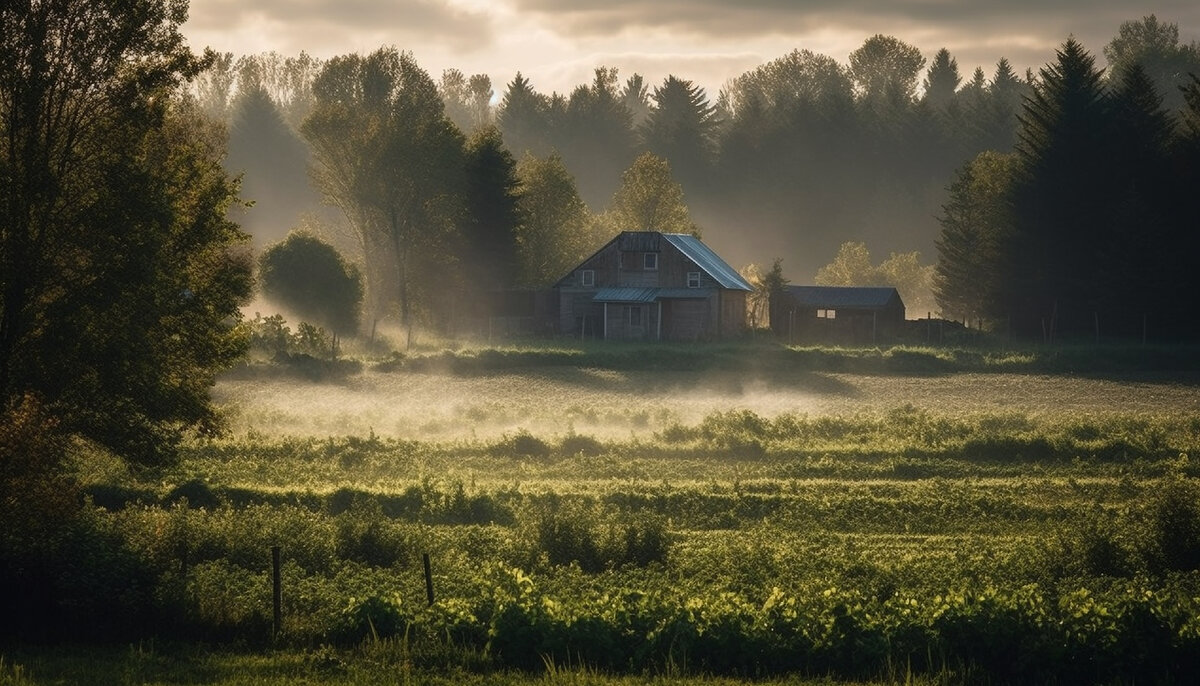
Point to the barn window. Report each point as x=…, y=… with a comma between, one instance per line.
x=693, y=279
x=650, y=260
x=826, y=314
x=587, y=278
x=635, y=316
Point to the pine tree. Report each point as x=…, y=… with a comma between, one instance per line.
x=942, y=80
x=1059, y=199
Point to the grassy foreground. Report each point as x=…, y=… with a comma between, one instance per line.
x=776, y=536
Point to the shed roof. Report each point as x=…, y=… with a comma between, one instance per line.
x=709, y=261
x=845, y=297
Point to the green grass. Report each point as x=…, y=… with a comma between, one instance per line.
x=601, y=516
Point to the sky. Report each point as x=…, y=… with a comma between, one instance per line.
x=558, y=44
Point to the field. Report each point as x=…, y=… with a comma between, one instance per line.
x=661, y=514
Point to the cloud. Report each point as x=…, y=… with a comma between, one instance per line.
x=1012, y=28
x=337, y=26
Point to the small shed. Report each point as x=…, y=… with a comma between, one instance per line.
x=838, y=314
x=647, y=285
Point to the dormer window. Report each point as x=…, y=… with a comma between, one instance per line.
x=587, y=278
x=693, y=279
x=650, y=261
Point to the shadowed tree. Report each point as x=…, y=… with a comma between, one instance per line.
x=1138, y=254
x=975, y=220
x=523, y=118
x=596, y=139
x=1063, y=177
x=273, y=161
x=120, y=275
x=1155, y=46
x=311, y=279
x=492, y=212
x=885, y=69
x=942, y=80
x=682, y=130
x=636, y=97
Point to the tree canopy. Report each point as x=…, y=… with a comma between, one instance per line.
x=120, y=276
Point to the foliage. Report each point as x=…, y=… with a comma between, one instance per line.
x=649, y=199
x=122, y=274
x=556, y=230
x=310, y=278
x=904, y=272
x=493, y=212
x=388, y=158
x=1153, y=46
x=968, y=279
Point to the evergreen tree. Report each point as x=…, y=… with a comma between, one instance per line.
x=273, y=162
x=523, y=118
x=492, y=213
x=942, y=80
x=975, y=220
x=682, y=130
x=1063, y=181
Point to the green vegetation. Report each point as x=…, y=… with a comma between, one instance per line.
x=888, y=543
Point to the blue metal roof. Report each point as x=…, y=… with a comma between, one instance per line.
x=846, y=297
x=647, y=295
x=625, y=295
x=706, y=259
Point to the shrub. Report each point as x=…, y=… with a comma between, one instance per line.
x=310, y=277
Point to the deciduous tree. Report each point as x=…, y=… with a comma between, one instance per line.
x=119, y=274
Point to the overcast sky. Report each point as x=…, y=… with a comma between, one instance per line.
x=557, y=44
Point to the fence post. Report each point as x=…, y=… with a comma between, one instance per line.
x=428, y=577
x=276, y=589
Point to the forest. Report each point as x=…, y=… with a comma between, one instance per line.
x=1059, y=189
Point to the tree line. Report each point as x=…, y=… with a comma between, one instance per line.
x=1085, y=228
x=791, y=159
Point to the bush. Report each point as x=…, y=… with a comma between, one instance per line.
x=310, y=277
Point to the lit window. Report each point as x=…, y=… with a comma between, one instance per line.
x=826, y=314
x=650, y=260
x=587, y=278
x=693, y=279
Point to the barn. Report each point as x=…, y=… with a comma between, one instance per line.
x=652, y=286
x=838, y=314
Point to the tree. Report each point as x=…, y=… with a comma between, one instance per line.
x=1063, y=179
x=1155, y=46
x=556, y=230
x=886, y=68
x=119, y=273
x=682, y=129
x=649, y=199
x=851, y=267
x=596, y=138
x=636, y=96
x=387, y=156
x=975, y=222
x=311, y=279
x=273, y=162
x=523, y=118
x=492, y=212
x=768, y=289
x=942, y=80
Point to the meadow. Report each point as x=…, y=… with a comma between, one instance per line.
x=657, y=514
